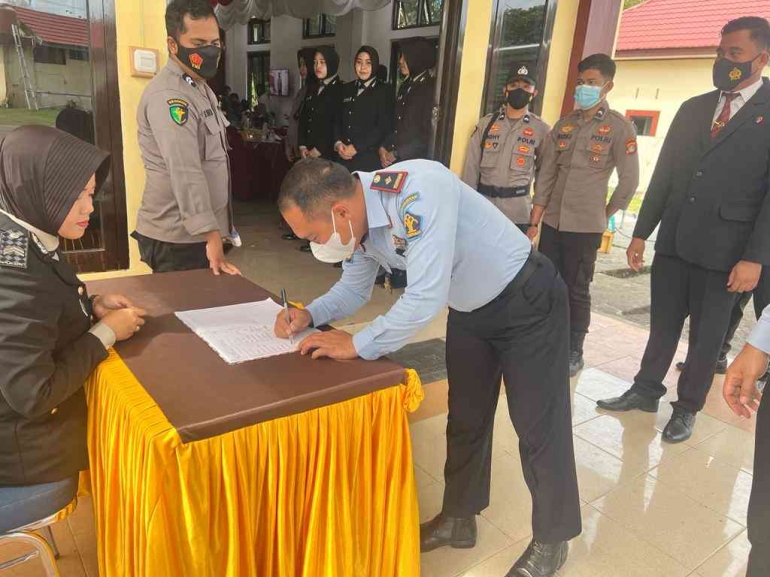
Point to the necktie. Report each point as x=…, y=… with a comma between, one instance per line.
x=724, y=116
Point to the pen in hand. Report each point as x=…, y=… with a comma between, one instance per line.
x=288, y=316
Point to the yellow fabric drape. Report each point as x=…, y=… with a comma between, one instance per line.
x=329, y=492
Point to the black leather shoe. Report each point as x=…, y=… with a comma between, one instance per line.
x=305, y=248
x=290, y=236
x=679, y=428
x=680, y=366
x=629, y=401
x=576, y=363
x=458, y=533
x=540, y=560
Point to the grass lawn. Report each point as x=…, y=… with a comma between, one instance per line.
x=20, y=116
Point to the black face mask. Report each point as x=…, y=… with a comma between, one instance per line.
x=203, y=61
x=728, y=74
x=518, y=98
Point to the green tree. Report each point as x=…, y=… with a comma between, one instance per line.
x=631, y=3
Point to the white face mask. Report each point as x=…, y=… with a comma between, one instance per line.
x=333, y=250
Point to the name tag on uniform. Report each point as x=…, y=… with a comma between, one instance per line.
x=208, y=113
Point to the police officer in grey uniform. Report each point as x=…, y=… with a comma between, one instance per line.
x=507, y=317
x=186, y=209
x=571, y=188
x=503, y=154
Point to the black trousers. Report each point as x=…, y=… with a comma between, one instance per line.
x=761, y=296
x=574, y=254
x=759, y=503
x=679, y=289
x=163, y=256
x=521, y=336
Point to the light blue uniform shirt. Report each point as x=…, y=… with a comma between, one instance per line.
x=458, y=249
x=760, y=334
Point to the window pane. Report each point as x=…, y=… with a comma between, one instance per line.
x=408, y=11
x=523, y=25
x=266, y=31
x=433, y=10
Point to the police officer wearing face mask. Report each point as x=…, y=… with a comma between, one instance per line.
x=503, y=153
x=709, y=194
x=571, y=188
x=186, y=209
x=507, y=319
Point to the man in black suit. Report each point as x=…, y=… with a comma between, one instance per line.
x=709, y=195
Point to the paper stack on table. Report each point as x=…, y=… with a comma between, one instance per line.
x=241, y=333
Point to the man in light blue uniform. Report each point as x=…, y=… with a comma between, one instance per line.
x=508, y=317
x=742, y=394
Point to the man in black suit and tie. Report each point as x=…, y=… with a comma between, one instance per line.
x=709, y=193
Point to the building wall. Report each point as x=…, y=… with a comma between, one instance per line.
x=73, y=78
x=660, y=86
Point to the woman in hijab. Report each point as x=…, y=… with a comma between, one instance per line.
x=414, y=104
x=52, y=335
x=307, y=79
x=367, y=115
x=321, y=107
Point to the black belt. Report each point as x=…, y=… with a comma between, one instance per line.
x=503, y=191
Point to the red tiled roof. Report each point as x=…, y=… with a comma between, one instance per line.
x=682, y=24
x=54, y=29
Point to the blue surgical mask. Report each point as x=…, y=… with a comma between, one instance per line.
x=588, y=96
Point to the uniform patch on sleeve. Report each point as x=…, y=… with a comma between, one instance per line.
x=389, y=181
x=13, y=248
x=413, y=224
x=631, y=146
x=179, y=110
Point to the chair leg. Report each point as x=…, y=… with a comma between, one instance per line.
x=51, y=541
x=41, y=546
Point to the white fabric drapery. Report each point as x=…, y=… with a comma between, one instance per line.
x=241, y=11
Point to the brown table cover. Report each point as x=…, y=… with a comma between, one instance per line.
x=200, y=394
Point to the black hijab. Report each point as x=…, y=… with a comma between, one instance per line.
x=419, y=54
x=374, y=55
x=43, y=171
x=332, y=61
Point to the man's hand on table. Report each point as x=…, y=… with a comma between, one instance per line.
x=125, y=322
x=103, y=304
x=333, y=344
x=300, y=320
x=215, y=253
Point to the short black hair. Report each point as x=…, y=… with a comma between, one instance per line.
x=178, y=9
x=758, y=27
x=314, y=184
x=601, y=62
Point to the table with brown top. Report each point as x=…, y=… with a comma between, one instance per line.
x=279, y=466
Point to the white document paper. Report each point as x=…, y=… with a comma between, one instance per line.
x=241, y=333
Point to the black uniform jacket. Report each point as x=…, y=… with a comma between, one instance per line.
x=318, y=118
x=364, y=122
x=710, y=195
x=413, y=125
x=46, y=355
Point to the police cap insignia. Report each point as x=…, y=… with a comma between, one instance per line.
x=389, y=181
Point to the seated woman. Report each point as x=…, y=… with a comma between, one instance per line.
x=322, y=106
x=367, y=115
x=52, y=335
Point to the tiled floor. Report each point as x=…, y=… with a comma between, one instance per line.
x=649, y=509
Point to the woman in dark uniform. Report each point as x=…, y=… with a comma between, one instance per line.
x=367, y=115
x=321, y=107
x=52, y=335
x=414, y=105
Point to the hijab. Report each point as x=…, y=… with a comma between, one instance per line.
x=42, y=173
x=308, y=54
x=332, y=61
x=420, y=55
x=374, y=55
